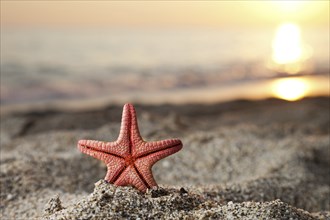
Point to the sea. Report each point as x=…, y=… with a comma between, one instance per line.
x=46, y=65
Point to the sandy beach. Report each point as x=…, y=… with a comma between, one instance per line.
x=265, y=159
x=242, y=85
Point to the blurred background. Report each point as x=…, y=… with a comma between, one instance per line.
x=162, y=52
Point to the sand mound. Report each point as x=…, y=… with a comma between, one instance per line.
x=111, y=202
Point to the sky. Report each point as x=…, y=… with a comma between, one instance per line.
x=162, y=13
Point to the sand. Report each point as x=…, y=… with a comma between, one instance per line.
x=241, y=160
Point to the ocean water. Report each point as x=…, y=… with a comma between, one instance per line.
x=45, y=65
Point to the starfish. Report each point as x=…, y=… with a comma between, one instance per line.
x=129, y=159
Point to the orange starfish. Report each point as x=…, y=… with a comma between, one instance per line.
x=130, y=158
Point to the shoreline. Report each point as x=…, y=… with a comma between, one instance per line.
x=254, y=91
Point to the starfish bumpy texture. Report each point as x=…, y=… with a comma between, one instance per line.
x=130, y=158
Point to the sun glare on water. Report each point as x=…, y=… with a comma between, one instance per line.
x=290, y=89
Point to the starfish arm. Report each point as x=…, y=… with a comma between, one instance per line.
x=130, y=176
x=155, y=146
x=115, y=168
x=112, y=148
x=99, y=150
x=129, y=134
x=144, y=164
x=144, y=167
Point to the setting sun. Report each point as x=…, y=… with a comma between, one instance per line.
x=287, y=45
x=289, y=50
x=290, y=89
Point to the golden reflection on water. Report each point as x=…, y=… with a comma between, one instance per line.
x=289, y=50
x=290, y=89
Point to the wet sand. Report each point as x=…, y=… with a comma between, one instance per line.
x=241, y=159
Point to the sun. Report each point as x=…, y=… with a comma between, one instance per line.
x=289, y=51
x=287, y=45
